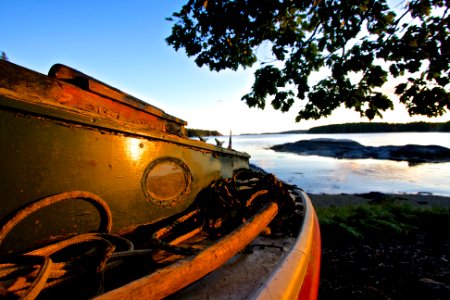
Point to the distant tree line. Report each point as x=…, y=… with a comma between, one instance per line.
x=201, y=132
x=366, y=127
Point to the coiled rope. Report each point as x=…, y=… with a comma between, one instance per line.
x=22, y=213
x=42, y=256
x=218, y=210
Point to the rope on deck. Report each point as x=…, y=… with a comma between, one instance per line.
x=222, y=209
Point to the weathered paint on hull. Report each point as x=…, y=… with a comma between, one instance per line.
x=69, y=132
x=45, y=150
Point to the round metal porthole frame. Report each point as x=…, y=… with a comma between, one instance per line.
x=177, y=198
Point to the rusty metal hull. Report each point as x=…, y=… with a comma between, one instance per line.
x=57, y=137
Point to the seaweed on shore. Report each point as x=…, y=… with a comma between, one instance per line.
x=380, y=219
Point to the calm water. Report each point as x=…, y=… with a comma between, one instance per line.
x=317, y=174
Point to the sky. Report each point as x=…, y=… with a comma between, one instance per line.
x=122, y=43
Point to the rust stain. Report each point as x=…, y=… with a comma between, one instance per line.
x=92, y=163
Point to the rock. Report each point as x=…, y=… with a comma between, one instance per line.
x=433, y=284
x=338, y=148
x=420, y=153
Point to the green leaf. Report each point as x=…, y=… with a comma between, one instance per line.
x=400, y=88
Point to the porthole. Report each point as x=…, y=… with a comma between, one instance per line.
x=166, y=181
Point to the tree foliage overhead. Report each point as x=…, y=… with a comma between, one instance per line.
x=357, y=45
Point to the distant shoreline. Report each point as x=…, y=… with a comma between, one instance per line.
x=361, y=127
x=370, y=127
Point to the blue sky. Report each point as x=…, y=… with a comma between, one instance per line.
x=123, y=44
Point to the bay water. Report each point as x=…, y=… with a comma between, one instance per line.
x=316, y=174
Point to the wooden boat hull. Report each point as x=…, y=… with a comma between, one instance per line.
x=194, y=219
x=48, y=146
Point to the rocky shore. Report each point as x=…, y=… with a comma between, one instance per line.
x=412, y=265
x=341, y=148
